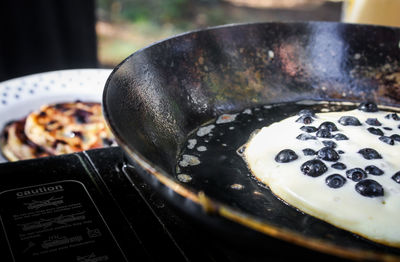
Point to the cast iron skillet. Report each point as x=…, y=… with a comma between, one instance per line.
x=160, y=94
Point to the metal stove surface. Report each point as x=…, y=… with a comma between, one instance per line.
x=90, y=206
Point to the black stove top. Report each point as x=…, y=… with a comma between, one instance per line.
x=89, y=207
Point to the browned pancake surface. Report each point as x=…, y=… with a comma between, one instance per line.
x=56, y=129
x=68, y=127
x=15, y=145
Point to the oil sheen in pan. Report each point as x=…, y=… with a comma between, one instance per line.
x=210, y=156
x=209, y=161
x=215, y=143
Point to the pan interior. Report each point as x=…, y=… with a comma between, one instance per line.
x=158, y=96
x=212, y=155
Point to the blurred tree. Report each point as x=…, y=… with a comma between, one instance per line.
x=177, y=12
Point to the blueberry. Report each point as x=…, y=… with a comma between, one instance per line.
x=339, y=165
x=340, y=136
x=393, y=116
x=329, y=143
x=356, y=174
x=308, y=129
x=305, y=136
x=328, y=154
x=349, y=121
x=324, y=133
x=82, y=116
x=368, y=107
x=107, y=142
x=58, y=141
x=373, y=122
x=313, y=168
x=61, y=106
x=79, y=134
x=369, y=188
x=340, y=151
x=387, y=140
x=375, y=131
x=395, y=137
x=396, y=177
x=305, y=119
x=374, y=170
x=306, y=112
x=309, y=152
x=335, y=181
x=328, y=125
x=369, y=153
x=285, y=156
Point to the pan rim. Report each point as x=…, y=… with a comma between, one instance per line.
x=212, y=206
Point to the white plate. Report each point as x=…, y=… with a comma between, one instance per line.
x=20, y=96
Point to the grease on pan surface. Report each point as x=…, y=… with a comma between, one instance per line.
x=329, y=140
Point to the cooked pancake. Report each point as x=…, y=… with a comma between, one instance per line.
x=16, y=146
x=68, y=127
x=341, y=167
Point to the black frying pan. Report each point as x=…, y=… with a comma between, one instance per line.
x=160, y=94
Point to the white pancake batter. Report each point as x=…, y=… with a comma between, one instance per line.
x=374, y=217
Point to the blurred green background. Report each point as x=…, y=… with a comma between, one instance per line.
x=124, y=26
